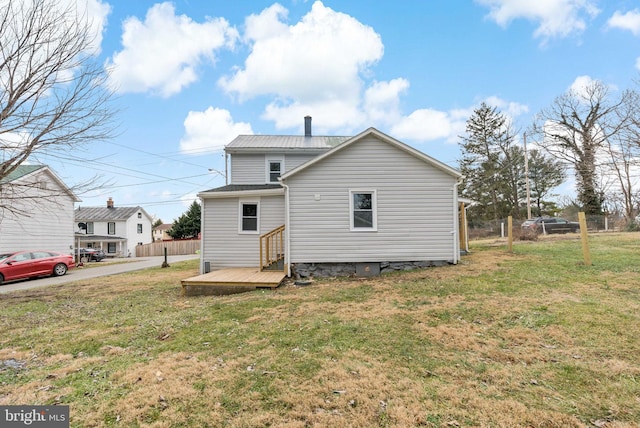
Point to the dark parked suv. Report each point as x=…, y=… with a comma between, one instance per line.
x=550, y=225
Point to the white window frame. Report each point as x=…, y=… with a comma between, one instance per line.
x=109, y=230
x=139, y=227
x=374, y=210
x=241, y=204
x=90, y=228
x=267, y=167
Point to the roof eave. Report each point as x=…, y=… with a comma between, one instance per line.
x=241, y=193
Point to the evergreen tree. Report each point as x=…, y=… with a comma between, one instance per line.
x=545, y=173
x=188, y=224
x=491, y=165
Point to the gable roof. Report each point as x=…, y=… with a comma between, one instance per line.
x=385, y=138
x=106, y=214
x=19, y=172
x=266, y=143
x=24, y=171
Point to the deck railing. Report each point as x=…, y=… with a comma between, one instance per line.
x=272, y=248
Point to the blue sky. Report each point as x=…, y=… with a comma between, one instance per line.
x=190, y=75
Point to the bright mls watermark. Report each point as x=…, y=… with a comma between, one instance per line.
x=34, y=416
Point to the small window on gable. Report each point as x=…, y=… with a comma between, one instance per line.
x=363, y=210
x=274, y=170
x=249, y=214
x=139, y=215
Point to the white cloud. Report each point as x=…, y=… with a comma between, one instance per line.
x=555, y=18
x=423, y=125
x=382, y=100
x=580, y=84
x=509, y=108
x=627, y=21
x=97, y=13
x=314, y=66
x=162, y=53
x=210, y=130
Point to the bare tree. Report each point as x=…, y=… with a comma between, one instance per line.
x=576, y=129
x=53, y=92
x=623, y=164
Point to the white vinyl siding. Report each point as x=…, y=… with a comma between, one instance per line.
x=295, y=160
x=224, y=246
x=415, y=207
x=247, y=169
x=49, y=224
x=254, y=168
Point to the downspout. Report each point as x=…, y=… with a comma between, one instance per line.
x=287, y=251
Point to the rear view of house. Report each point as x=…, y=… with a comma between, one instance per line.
x=333, y=205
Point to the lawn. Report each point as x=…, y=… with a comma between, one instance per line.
x=532, y=338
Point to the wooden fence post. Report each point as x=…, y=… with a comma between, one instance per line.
x=584, y=238
x=510, y=232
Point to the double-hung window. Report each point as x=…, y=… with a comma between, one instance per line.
x=90, y=228
x=111, y=228
x=249, y=217
x=139, y=227
x=275, y=168
x=363, y=210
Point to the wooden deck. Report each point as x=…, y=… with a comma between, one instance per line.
x=232, y=280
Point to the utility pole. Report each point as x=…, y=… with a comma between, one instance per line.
x=526, y=175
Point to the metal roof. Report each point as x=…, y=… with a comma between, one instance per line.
x=288, y=142
x=19, y=172
x=105, y=214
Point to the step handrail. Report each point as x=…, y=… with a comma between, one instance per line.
x=272, y=247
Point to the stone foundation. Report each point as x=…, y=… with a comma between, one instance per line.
x=310, y=270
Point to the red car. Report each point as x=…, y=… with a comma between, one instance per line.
x=29, y=264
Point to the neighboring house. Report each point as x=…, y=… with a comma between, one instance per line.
x=362, y=204
x=160, y=232
x=36, y=211
x=115, y=230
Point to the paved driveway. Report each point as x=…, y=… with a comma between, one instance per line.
x=104, y=268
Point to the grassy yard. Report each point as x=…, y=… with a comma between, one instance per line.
x=528, y=339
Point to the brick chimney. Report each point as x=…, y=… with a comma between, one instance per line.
x=109, y=203
x=307, y=126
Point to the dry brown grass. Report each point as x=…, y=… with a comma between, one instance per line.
x=480, y=344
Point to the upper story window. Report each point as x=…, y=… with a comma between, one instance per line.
x=139, y=227
x=363, y=209
x=275, y=168
x=90, y=228
x=111, y=228
x=249, y=215
x=139, y=215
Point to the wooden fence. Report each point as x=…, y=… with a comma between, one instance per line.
x=174, y=248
